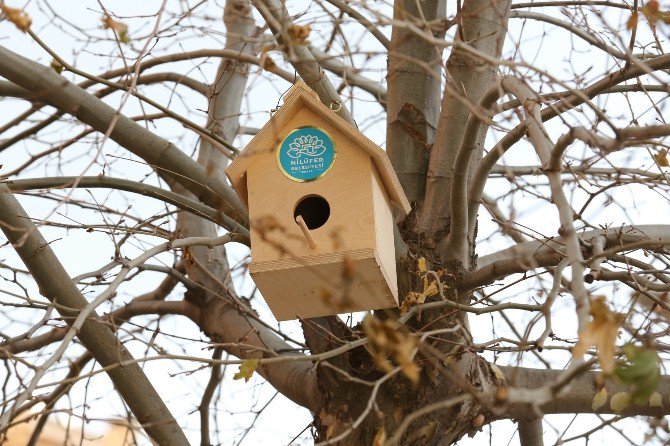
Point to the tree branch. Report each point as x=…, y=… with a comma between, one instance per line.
x=147, y=190
x=55, y=284
x=225, y=317
x=577, y=98
x=530, y=431
x=155, y=150
x=413, y=96
x=548, y=252
x=482, y=30
x=279, y=21
x=360, y=18
x=577, y=395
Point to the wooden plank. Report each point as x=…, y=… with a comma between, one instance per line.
x=384, y=232
x=322, y=289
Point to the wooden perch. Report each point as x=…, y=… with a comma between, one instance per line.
x=305, y=231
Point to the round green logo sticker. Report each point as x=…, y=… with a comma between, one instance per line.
x=306, y=154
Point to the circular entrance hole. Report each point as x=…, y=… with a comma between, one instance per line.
x=314, y=209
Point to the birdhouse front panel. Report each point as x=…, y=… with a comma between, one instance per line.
x=337, y=207
x=321, y=199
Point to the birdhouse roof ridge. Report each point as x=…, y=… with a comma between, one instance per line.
x=297, y=96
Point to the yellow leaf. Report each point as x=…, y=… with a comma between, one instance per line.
x=422, y=265
x=599, y=399
x=17, y=16
x=120, y=28
x=380, y=438
x=601, y=332
x=247, y=369
x=431, y=290
x=662, y=158
x=620, y=401
x=403, y=355
x=655, y=400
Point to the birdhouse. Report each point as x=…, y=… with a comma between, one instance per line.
x=322, y=200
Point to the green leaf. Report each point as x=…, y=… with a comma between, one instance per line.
x=57, y=67
x=247, y=369
x=641, y=371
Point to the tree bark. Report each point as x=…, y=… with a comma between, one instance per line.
x=483, y=26
x=413, y=96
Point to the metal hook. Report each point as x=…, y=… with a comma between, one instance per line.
x=337, y=104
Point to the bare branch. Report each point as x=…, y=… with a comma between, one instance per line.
x=153, y=149
x=167, y=196
x=279, y=21
x=55, y=284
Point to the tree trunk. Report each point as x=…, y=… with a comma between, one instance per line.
x=449, y=371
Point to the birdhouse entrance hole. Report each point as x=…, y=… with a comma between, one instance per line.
x=314, y=210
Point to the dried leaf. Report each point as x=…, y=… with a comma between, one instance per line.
x=266, y=61
x=247, y=369
x=631, y=23
x=403, y=355
x=268, y=64
x=298, y=34
x=653, y=13
x=189, y=260
x=500, y=376
x=427, y=433
x=17, y=16
x=387, y=338
x=120, y=28
x=655, y=400
x=380, y=438
x=620, y=401
x=601, y=332
x=599, y=399
x=662, y=158
x=431, y=290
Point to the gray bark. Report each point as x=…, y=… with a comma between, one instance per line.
x=413, y=97
x=483, y=27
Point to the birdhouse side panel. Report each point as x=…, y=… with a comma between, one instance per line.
x=274, y=198
x=384, y=237
x=323, y=285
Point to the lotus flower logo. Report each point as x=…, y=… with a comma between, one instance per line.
x=306, y=145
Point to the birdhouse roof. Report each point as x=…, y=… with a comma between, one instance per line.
x=300, y=95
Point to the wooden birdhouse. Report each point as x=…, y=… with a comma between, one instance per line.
x=322, y=200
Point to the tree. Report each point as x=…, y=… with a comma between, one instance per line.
x=529, y=138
